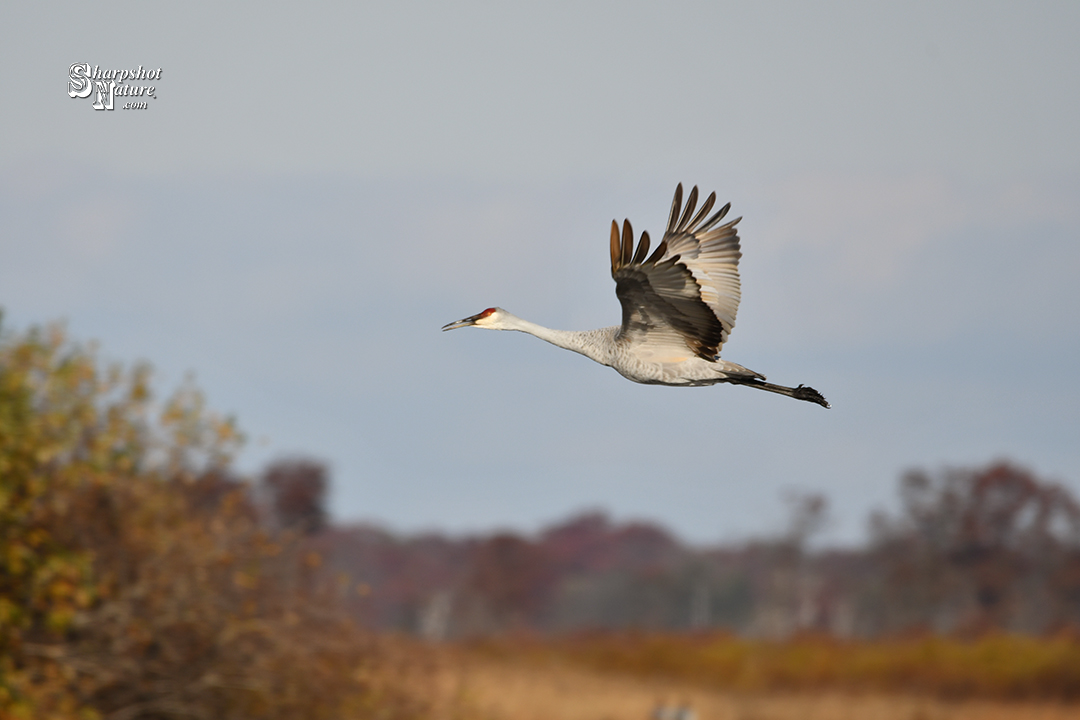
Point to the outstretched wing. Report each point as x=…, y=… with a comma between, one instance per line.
x=685, y=295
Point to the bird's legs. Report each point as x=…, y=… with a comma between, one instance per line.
x=802, y=392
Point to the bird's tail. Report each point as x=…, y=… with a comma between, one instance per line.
x=802, y=392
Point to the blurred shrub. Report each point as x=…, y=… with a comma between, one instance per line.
x=135, y=578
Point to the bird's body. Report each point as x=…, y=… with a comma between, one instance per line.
x=633, y=361
x=679, y=306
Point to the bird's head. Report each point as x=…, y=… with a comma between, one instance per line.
x=492, y=319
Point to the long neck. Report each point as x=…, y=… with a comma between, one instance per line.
x=588, y=342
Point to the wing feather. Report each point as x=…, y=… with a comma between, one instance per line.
x=683, y=297
x=616, y=248
x=627, y=242
x=642, y=249
x=676, y=205
x=691, y=203
x=715, y=218
x=658, y=253
x=709, y=202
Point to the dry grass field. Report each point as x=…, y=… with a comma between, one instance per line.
x=508, y=690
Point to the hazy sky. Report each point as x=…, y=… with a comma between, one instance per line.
x=313, y=192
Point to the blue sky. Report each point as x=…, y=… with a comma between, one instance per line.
x=314, y=192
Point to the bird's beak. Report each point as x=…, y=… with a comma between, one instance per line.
x=471, y=320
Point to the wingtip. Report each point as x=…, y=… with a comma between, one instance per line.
x=642, y=248
x=627, y=243
x=676, y=206
x=616, y=248
x=688, y=211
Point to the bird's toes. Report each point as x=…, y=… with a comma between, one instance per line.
x=804, y=392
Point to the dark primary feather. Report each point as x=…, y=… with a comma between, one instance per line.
x=689, y=285
x=642, y=248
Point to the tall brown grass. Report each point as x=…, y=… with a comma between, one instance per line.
x=511, y=690
x=1000, y=667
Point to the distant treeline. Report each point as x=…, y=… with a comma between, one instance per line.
x=969, y=551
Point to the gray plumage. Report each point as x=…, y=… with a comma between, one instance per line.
x=679, y=306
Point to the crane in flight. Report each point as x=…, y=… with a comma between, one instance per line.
x=678, y=306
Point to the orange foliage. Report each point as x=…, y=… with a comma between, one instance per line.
x=136, y=580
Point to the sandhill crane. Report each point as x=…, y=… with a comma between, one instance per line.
x=678, y=306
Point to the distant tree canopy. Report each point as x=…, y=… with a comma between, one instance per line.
x=136, y=580
x=975, y=549
x=966, y=551
x=296, y=491
x=511, y=575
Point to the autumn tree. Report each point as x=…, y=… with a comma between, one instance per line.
x=511, y=576
x=136, y=580
x=976, y=549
